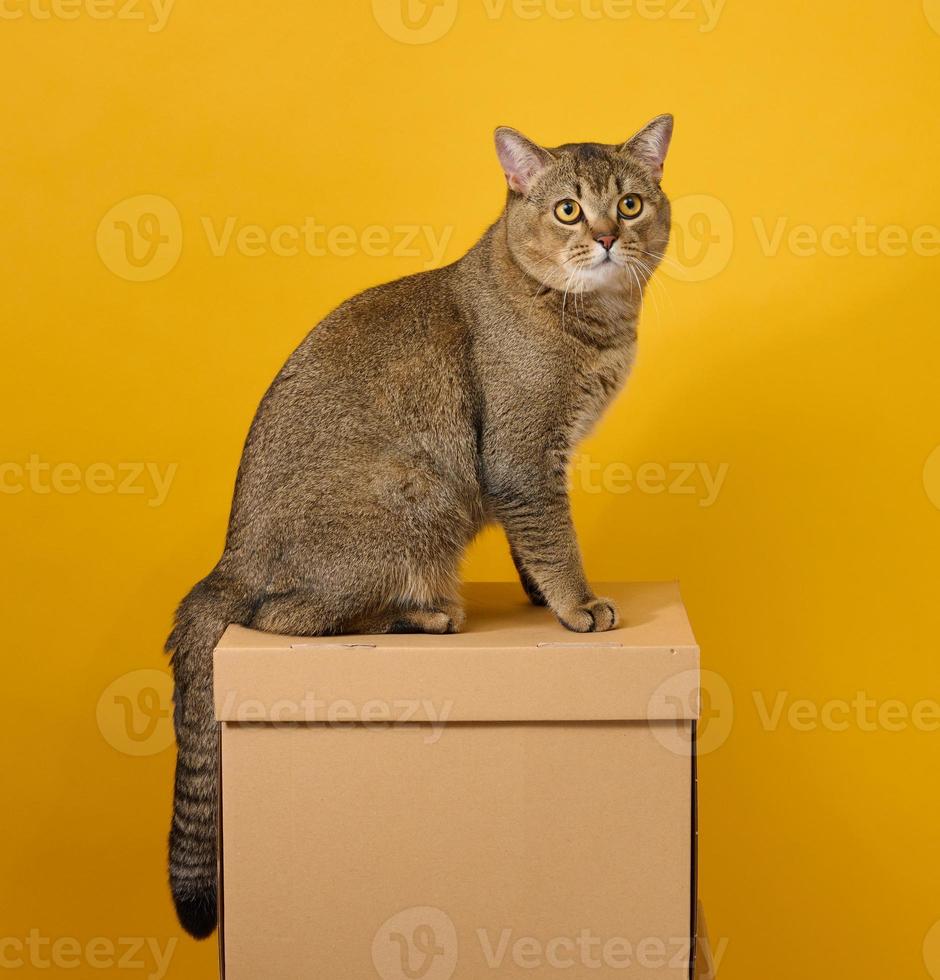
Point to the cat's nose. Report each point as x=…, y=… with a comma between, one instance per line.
x=606, y=240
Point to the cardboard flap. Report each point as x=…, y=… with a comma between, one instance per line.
x=513, y=662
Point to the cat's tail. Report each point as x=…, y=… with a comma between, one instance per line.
x=201, y=619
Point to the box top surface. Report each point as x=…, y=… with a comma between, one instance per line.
x=499, y=615
x=513, y=662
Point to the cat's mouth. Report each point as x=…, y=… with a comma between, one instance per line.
x=606, y=263
x=614, y=271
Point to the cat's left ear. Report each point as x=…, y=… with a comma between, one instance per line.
x=521, y=159
x=651, y=144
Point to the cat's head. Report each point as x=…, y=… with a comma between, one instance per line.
x=587, y=216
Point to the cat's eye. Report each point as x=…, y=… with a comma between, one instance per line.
x=568, y=212
x=630, y=205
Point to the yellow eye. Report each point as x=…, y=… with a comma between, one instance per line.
x=568, y=212
x=630, y=205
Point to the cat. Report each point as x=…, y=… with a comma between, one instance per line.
x=413, y=415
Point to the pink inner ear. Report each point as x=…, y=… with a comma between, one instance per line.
x=652, y=144
x=519, y=159
x=652, y=149
x=518, y=185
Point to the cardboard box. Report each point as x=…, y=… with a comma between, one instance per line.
x=514, y=801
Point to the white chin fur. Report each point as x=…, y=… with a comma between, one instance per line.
x=603, y=275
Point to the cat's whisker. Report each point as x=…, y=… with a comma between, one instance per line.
x=649, y=270
x=655, y=280
x=651, y=293
x=579, y=294
x=636, y=279
x=564, y=301
x=659, y=258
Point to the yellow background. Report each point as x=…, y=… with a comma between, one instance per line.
x=812, y=378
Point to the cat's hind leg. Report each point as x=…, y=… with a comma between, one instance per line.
x=302, y=613
x=443, y=617
x=299, y=613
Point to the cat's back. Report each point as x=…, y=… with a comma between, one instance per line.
x=389, y=331
x=390, y=363
x=367, y=432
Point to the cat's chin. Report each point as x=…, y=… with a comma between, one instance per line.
x=604, y=276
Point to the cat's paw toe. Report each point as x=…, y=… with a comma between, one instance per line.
x=596, y=616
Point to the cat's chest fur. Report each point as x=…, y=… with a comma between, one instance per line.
x=596, y=347
x=595, y=379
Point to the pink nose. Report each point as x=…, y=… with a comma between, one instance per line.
x=606, y=240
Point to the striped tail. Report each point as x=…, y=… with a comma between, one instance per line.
x=200, y=621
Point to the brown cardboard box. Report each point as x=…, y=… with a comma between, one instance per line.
x=514, y=801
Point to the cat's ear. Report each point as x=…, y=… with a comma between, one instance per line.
x=651, y=144
x=522, y=160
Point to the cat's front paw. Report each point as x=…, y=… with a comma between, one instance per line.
x=594, y=616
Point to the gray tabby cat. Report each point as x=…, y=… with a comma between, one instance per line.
x=414, y=414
